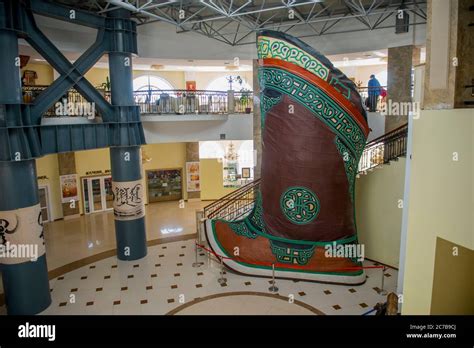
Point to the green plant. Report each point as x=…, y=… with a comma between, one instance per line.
x=106, y=85
x=245, y=96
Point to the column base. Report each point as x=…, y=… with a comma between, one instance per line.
x=131, y=239
x=26, y=287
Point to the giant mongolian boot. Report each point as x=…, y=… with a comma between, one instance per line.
x=314, y=130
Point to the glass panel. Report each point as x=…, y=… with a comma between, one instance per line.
x=109, y=197
x=42, y=197
x=96, y=194
x=86, y=195
x=44, y=214
x=164, y=185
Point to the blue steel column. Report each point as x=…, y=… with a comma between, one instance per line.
x=131, y=234
x=25, y=284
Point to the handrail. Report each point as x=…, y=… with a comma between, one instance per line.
x=233, y=200
x=380, y=138
x=382, y=150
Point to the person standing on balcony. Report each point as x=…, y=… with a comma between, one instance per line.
x=374, y=92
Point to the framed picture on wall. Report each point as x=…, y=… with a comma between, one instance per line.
x=192, y=177
x=245, y=173
x=190, y=85
x=68, y=185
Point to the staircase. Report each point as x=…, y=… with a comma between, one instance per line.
x=380, y=151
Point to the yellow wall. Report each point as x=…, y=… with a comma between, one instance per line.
x=212, y=180
x=441, y=198
x=378, y=215
x=48, y=166
x=176, y=78
x=163, y=156
x=44, y=72
x=166, y=156
x=97, y=76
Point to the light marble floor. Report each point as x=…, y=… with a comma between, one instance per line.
x=165, y=280
x=77, y=238
x=245, y=305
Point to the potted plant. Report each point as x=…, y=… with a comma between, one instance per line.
x=245, y=99
x=104, y=87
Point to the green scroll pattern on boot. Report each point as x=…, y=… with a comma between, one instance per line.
x=314, y=130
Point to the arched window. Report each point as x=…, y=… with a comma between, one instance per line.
x=222, y=84
x=151, y=82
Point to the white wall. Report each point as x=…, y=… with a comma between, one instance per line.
x=378, y=214
x=376, y=124
x=236, y=127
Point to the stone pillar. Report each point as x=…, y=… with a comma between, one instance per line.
x=192, y=155
x=399, y=80
x=230, y=101
x=67, y=165
x=464, y=96
x=449, y=55
x=24, y=274
x=126, y=163
x=257, y=122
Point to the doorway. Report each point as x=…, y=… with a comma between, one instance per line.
x=43, y=191
x=97, y=193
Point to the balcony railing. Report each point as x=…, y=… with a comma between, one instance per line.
x=165, y=102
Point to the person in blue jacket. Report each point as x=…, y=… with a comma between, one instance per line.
x=374, y=92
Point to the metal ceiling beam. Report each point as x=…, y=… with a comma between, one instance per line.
x=210, y=17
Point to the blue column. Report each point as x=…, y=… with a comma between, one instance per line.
x=125, y=160
x=25, y=282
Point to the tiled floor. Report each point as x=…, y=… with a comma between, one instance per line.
x=165, y=280
x=245, y=305
x=75, y=239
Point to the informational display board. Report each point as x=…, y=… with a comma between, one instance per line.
x=193, y=177
x=68, y=188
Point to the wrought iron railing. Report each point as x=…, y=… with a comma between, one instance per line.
x=164, y=102
x=181, y=102
x=384, y=149
x=234, y=206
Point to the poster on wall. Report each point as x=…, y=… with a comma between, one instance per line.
x=68, y=188
x=192, y=177
x=190, y=85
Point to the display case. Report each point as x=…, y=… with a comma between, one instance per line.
x=164, y=184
